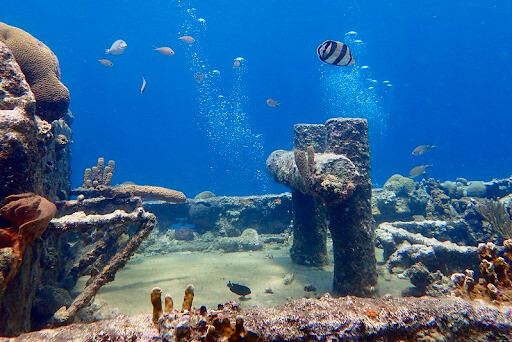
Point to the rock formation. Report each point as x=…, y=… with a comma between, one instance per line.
x=495, y=268
x=34, y=143
x=324, y=319
x=24, y=218
x=42, y=72
x=334, y=167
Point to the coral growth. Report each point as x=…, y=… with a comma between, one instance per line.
x=144, y=191
x=496, y=269
x=99, y=174
x=98, y=179
x=24, y=218
x=324, y=319
x=113, y=225
x=339, y=176
x=29, y=215
x=41, y=69
x=497, y=215
x=191, y=324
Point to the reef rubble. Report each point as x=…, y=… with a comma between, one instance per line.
x=347, y=318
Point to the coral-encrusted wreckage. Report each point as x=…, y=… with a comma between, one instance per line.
x=451, y=239
x=41, y=259
x=329, y=173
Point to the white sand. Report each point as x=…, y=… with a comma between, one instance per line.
x=210, y=272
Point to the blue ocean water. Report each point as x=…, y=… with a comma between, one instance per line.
x=449, y=64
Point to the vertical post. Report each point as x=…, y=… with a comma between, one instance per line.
x=350, y=221
x=309, y=230
x=309, y=215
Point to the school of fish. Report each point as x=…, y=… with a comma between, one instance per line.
x=330, y=51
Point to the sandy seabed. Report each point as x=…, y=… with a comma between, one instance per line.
x=210, y=272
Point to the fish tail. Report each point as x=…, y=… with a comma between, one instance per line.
x=107, y=51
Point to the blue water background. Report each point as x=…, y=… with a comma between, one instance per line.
x=449, y=63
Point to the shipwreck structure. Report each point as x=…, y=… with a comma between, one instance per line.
x=329, y=174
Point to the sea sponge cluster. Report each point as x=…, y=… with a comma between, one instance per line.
x=41, y=69
x=496, y=269
x=202, y=324
x=99, y=174
x=24, y=218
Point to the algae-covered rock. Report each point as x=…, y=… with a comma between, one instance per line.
x=204, y=195
x=400, y=185
x=476, y=189
x=453, y=189
x=248, y=241
x=48, y=300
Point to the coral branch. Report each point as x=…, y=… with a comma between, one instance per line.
x=496, y=214
x=79, y=221
x=148, y=221
x=144, y=191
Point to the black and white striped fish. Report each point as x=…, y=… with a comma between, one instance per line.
x=335, y=53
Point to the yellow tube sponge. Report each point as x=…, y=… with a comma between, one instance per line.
x=169, y=305
x=156, y=300
x=189, y=297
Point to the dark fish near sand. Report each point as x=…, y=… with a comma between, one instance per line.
x=240, y=290
x=422, y=149
x=418, y=170
x=335, y=53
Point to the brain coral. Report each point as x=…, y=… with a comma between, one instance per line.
x=41, y=69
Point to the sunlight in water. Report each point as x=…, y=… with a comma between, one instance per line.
x=222, y=114
x=352, y=92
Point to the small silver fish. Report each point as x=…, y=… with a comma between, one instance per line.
x=418, y=170
x=236, y=64
x=422, y=149
x=117, y=47
x=143, y=85
x=273, y=103
x=165, y=50
x=188, y=39
x=106, y=62
x=199, y=77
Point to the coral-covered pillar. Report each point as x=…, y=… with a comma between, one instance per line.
x=350, y=221
x=309, y=215
x=331, y=162
x=309, y=230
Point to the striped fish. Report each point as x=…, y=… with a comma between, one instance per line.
x=335, y=53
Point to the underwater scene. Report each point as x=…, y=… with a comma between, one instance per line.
x=189, y=170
